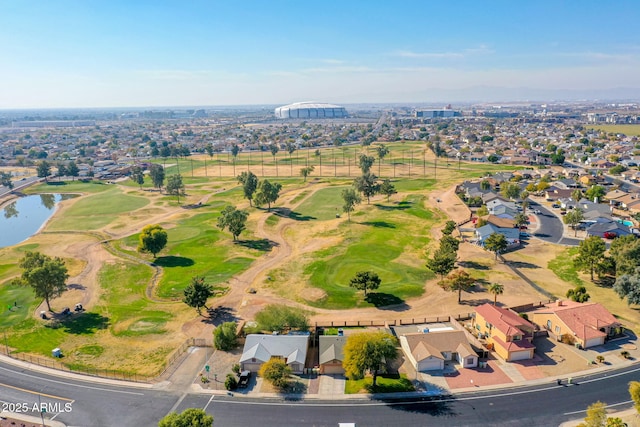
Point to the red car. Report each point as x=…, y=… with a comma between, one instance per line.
x=610, y=235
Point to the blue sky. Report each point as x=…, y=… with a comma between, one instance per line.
x=160, y=53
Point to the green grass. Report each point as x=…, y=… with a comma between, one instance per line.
x=384, y=384
x=629, y=130
x=563, y=267
x=91, y=187
x=98, y=210
x=26, y=303
x=379, y=242
x=322, y=205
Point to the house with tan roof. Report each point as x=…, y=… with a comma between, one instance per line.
x=429, y=351
x=330, y=352
x=508, y=333
x=588, y=324
x=260, y=348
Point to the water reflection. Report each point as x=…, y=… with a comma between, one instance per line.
x=23, y=217
x=11, y=210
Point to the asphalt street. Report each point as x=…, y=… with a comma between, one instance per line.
x=551, y=227
x=105, y=405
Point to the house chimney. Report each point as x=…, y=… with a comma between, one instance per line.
x=559, y=303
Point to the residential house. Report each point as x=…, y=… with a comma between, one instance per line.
x=499, y=222
x=429, y=351
x=555, y=193
x=330, y=351
x=511, y=234
x=260, y=348
x=587, y=324
x=608, y=230
x=509, y=334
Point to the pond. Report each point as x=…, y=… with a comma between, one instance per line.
x=22, y=218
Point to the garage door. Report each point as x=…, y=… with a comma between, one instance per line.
x=430, y=365
x=594, y=341
x=333, y=369
x=253, y=367
x=520, y=355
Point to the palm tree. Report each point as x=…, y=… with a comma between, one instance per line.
x=496, y=289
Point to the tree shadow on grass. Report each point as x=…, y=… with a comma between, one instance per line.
x=263, y=245
x=386, y=301
x=220, y=315
x=400, y=206
x=605, y=282
x=80, y=323
x=173, y=261
x=379, y=224
x=297, y=216
x=473, y=264
x=520, y=264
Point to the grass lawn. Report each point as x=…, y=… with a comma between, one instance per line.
x=563, y=267
x=322, y=205
x=392, y=383
x=385, y=239
x=196, y=247
x=629, y=130
x=97, y=210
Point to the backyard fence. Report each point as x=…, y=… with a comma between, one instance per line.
x=382, y=323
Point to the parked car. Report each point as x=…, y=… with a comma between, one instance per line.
x=555, y=206
x=245, y=377
x=523, y=227
x=610, y=235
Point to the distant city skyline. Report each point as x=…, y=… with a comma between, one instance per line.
x=76, y=54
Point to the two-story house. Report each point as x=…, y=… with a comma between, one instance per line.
x=509, y=334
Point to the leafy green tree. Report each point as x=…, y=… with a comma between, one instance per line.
x=209, y=149
x=62, y=170
x=368, y=352
x=365, y=162
x=156, y=172
x=573, y=218
x=153, y=239
x=72, y=170
x=192, y=417
x=175, y=186
x=382, y=151
x=577, y=195
x=43, y=169
x=280, y=317
x=351, y=199
x=595, y=192
x=442, y=262
x=578, y=294
x=634, y=392
x=590, y=253
x=267, y=193
x=5, y=180
x=458, y=281
x=249, y=183
x=47, y=276
x=496, y=289
x=137, y=175
x=485, y=185
x=542, y=186
x=235, y=150
x=449, y=227
x=496, y=243
x=305, y=172
x=521, y=219
x=387, y=188
x=277, y=372
x=625, y=251
x=233, y=219
x=197, y=293
x=510, y=190
x=448, y=243
x=224, y=336
x=482, y=211
x=365, y=281
x=628, y=286
x=367, y=184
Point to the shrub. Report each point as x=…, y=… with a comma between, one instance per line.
x=236, y=369
x=230, y=383
x=625, y=354
x=277, y=372
x=600, y=359
x=567, y=339
x=224, y=336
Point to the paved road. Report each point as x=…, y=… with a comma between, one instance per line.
x=19, y=185
x=551, y=227
x=105, y=405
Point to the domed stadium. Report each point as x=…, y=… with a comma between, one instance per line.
x=310, y=110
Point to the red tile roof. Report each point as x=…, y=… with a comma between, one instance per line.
x=513, y=345
x=506, y=321
x=584, y=319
